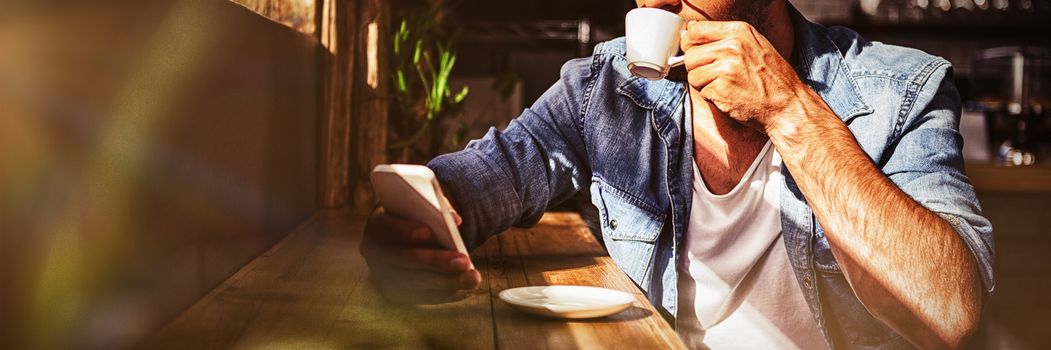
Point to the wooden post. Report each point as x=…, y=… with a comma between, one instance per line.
x=338, y=34
x=372, y=102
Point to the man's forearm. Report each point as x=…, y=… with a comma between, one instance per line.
x=905, y=263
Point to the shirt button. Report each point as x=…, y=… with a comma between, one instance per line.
x=806, y=282
x=613, y=224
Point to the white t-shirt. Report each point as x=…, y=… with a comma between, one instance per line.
x=737, y=289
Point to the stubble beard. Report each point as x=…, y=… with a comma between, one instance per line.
x=754, y=13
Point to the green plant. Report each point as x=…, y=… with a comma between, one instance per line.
x=423, y=62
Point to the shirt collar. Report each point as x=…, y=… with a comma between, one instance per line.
x=820, y=64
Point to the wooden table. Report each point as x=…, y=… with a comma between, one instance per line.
x=309, y=291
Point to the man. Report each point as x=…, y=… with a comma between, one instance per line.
x=798, y=186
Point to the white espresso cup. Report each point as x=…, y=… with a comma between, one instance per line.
x=652, y=36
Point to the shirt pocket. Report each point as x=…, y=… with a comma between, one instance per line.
x=630, y=230
x=623, y=217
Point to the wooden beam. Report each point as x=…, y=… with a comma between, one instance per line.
x=370, y=120
x=338, y=34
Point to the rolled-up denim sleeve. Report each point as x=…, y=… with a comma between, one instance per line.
x=508, y=178
x=926, y=162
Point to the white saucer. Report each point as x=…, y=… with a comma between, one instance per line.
x=568, y=301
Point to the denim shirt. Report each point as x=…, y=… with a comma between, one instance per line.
x=628, y=142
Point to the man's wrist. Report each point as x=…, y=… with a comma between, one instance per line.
x=794, y=130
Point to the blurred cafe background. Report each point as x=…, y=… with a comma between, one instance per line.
x=150, y=149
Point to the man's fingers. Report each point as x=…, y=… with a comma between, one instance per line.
x=702, y=55
x=456, y=217
x=703, y=32
x=699, y=78
x=390, y=228
x=415, y=258
x=699, y=56
x=702, y=76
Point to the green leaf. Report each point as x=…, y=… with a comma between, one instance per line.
x=461, y=96
x=399, y=81
x=419, y=51
x=400, y=37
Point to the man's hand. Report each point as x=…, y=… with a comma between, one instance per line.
x=407, y=265
x=738, y=70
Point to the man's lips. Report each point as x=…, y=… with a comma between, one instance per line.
x=673, y=8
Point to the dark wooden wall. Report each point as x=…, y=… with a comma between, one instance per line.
x=147, y=151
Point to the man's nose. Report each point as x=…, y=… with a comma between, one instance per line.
x=669, y=5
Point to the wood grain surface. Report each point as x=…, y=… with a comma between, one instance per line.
x=310, y=291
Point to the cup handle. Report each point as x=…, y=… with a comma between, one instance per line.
x=676, y=61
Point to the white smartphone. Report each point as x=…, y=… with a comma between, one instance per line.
x=412, y=192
